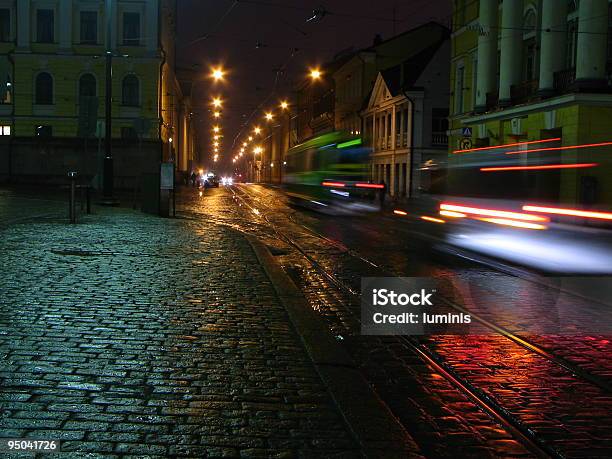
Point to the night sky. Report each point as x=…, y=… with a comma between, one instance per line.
x=255, y=39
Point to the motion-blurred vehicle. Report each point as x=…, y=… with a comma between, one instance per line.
x=211, y=180
x=507, y=204
x=330, y=173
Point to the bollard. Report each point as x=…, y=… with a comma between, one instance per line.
x=72, y=204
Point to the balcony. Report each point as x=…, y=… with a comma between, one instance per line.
x=524, y=92
x=439, y=139
x=564, y=80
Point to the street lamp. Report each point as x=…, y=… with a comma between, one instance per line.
x=217, y=102
x=216, y=129
x=216, y=114
x=269, y=116
x=217, y=73
x=315, y=74
x=284, y=105
x=257, y=130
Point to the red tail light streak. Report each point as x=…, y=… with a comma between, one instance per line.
x=334, y=184
x=537, y=168
x=377, y=186
x=566, y=147
x=492, y=213
x=516, y=144
x=569, y=212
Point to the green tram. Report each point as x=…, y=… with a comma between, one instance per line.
x=331, y=171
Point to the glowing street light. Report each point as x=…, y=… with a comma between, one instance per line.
x=217, y=102
x=257, y=150
x=269, y=116
x=244, y=144
x=257, y=130
x=284, y=105
x=217, y=74
x=215, y=143
x=216, y=114
x=315, y=74
x=216, y=129
x=250, y=138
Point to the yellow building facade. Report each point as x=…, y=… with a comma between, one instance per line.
x=536, y=75
x=53, y=69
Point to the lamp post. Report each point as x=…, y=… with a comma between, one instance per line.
x=108, y=182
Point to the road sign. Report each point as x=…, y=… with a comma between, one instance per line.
x=466, y=132
x=465, y=143
x=166, y=176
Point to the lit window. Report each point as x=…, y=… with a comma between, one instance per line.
x=5, y=130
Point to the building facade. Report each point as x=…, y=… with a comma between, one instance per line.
x=527, y=72
x=53, y=66
x=405, y=121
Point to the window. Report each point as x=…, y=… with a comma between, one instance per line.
x=131, y=29
x=5, y=130
x=572, y=42
x=530, y=54
x=89, y=27
x=5, y=24
x=45, y=26
x=130, y=91
x=87, y=86
x=439, y=120
x=44, y=89
x=459, y=84
x=43, y=131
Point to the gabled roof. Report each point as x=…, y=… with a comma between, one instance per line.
x=400, y=78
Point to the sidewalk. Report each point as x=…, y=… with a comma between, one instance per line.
x=131, y=334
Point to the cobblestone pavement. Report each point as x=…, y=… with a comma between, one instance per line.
x=570, y=414
x=132, y=335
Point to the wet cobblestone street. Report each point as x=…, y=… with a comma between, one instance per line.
x=130, y=334
x=133, y=335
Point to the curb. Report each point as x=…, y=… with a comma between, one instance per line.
x=378, y=433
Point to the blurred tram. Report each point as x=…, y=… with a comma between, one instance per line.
x=509, y=203
x=330, y=173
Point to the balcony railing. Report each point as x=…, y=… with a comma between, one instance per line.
x=439, y=138
x=524, y=92
x=564, y=80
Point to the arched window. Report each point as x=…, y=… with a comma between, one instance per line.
x=530, y=50
x=131, y=91
x=87, y=86
x=44, y=89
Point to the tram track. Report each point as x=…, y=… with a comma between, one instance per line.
x=512, y=424
x=521, y=341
